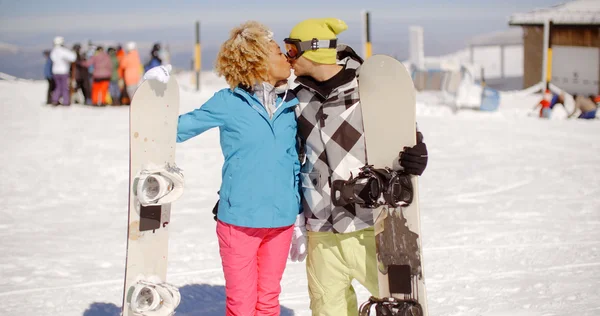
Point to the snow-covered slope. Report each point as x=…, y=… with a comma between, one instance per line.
x=510, y=210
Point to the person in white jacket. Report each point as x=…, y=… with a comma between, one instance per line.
x=61, y=65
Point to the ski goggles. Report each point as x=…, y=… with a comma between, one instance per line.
x=294, y=48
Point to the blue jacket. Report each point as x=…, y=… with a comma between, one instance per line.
x=48, y=69
x=151, y=64
x=260, y=175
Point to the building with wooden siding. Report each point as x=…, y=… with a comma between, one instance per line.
x=574, y=40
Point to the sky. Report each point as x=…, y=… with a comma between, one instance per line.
x=25, y=16
x=448, y=25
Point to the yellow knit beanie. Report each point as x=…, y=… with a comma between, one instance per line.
x=322, y=29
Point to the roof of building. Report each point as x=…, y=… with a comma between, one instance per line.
x=578, y=12
x=512, y=36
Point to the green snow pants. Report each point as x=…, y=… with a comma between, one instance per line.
x=333, y=261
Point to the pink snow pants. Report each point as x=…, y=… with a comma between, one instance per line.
x=253, y=263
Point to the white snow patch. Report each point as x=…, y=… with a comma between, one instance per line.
x=510, y=208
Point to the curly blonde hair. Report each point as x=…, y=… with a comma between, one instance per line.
x=243, y=58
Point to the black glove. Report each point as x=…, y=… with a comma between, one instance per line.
x=216, y=210
x=414, y=159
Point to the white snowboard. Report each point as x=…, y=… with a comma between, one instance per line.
x=153, y=115
x=388, y=101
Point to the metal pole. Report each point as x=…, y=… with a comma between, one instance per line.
x=502, y=47
x=417, y=54
x=197, y=55
x=367, y=32
x=547, y=61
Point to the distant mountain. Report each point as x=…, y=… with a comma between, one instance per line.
x=28, y=63
x=6, y=47
x=20, y=62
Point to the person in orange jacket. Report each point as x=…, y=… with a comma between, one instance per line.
x=130, y=68
x=120, y=52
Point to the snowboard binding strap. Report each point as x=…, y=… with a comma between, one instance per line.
x=159, y=185
x=373, y=188
x=151, y=299
x=390, y=306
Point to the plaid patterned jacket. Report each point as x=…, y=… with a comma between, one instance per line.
x=330, y=129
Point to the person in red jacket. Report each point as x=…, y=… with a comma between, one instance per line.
x=101, y=75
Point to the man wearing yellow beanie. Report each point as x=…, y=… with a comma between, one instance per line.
x=316, y=39
x=341, y=241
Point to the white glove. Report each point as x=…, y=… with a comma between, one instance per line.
x=160, y=73
x=298, y=249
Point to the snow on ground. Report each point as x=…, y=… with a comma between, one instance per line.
x=510, y=208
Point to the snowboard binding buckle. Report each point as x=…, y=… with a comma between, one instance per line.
x=150, y=298
x=372, y=188
x=158, y=185
x=390, y=306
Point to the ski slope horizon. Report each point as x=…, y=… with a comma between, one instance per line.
x=510, y=210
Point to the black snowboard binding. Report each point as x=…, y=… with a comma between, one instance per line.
x=373, y=188
x=390, y=306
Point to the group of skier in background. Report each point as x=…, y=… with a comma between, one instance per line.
x=96, y=75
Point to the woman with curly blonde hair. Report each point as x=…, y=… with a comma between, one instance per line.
x=259, y=195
